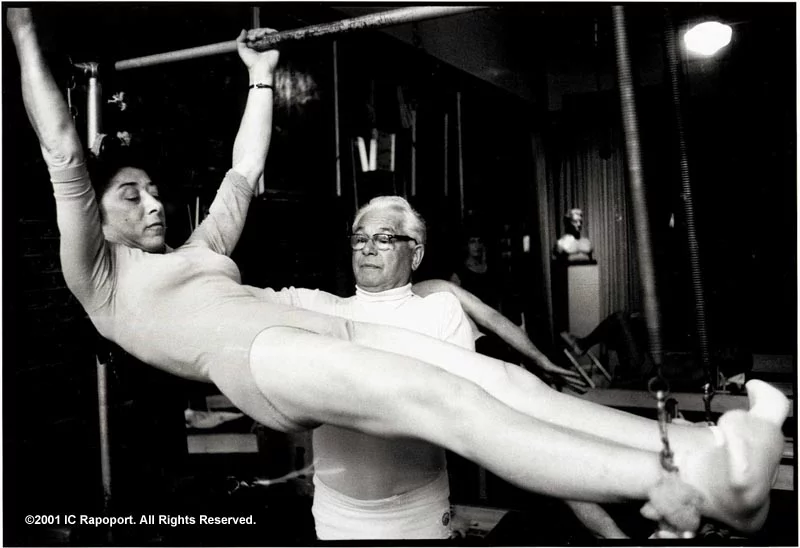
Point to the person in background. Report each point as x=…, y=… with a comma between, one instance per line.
x=473, y=272
x=474, y=275
x=625, y=333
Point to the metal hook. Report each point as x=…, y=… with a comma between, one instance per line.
x=71, y=85
x=708, y=395
x=666, y=457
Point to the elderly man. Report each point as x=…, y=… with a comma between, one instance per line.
x=377, y=488
x=368, y=487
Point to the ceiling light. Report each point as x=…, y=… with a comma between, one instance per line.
x=707, y=38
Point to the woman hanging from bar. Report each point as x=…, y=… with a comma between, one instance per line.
x=185, y=311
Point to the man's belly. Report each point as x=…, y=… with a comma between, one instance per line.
x=369, y=468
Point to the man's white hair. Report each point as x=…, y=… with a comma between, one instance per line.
x=412, y=223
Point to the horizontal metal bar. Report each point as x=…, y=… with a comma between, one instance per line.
x=370, y=21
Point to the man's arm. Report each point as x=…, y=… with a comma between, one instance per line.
x=454, y=325
x=492, y=320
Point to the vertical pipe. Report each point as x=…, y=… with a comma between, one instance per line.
x=460, y=154
x=674, y=66
x=446, y=151
x=105, y=446
x=94, y=105
x=414, y=152
x=641, y=221
x=392, y=140
x=337, y=144
x=355, y=174
x=94, y=102
x=373, y=151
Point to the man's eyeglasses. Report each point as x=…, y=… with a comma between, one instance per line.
x=383, y=242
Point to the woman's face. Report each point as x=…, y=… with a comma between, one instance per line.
x=132, y=213
x=475, y=246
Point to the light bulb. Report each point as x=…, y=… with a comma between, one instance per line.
x=707, y=38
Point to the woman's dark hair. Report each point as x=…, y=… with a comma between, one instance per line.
x=115, y=155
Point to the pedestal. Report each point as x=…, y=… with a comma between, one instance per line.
x=583, y=298
x=576, y=297
x=576, y=308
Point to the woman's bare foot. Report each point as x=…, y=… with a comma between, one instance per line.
x=735, y=477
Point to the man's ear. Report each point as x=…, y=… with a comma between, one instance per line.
x=419, y=252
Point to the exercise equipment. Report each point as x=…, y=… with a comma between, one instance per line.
x=364, y=22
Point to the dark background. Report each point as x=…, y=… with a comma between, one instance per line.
x=740, y=115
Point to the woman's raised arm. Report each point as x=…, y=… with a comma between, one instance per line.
x=227, y=215
x=47, y=110
x=84, y=264
x=252, y=141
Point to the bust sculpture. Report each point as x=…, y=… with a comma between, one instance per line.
x=571, y=246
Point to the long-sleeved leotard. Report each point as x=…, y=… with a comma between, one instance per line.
x=184, y=311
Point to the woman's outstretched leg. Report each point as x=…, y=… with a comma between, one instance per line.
x=315, y=379
x=527, y=394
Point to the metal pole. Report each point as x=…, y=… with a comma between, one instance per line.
x=370, y=21
x=94, y=109
x=105, y=446
x=355, y=174
x=94, y=106
x=446, y=152
x=414, y=152
x=644, y=248
x=460, y=153
x=337, y=144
